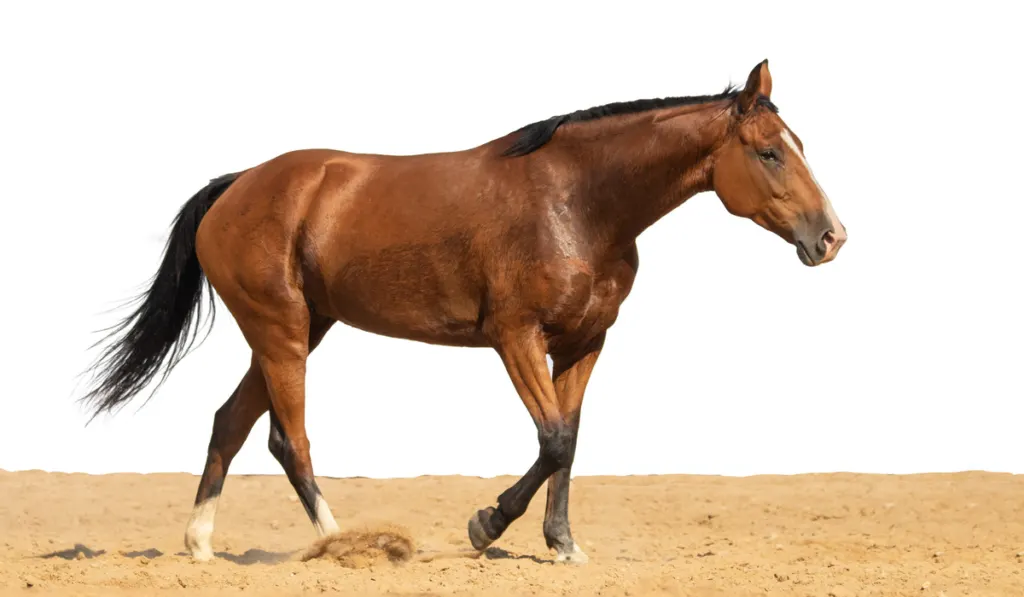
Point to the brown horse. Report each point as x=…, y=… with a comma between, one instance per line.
x=526, y=244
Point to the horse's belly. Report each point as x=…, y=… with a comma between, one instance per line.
x=414, y=302
x=411, y=321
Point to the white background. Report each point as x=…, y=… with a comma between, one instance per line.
x=730, y=357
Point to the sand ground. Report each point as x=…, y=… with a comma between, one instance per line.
x=810, y=535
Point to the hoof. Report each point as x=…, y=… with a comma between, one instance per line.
x=198, y=548
x=575, y=556
x=478, y=526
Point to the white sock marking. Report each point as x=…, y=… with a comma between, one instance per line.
x=200, y=529
x=324, y=523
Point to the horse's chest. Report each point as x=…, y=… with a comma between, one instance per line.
x=590, y=303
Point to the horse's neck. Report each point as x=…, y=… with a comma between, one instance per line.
x=649, y=166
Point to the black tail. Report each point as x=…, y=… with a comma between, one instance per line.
x=165, y=324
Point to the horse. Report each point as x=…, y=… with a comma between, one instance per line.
x=525, y=245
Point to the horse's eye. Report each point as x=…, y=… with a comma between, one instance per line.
x=769, y=155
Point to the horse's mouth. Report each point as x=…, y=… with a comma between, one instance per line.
x=801, y=252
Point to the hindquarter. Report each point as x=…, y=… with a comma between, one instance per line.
x=246, y=242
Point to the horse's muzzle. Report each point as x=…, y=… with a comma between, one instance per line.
x=823, y=248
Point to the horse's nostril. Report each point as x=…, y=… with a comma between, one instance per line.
x=828, y=239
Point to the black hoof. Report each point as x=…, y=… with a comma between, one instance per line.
x=481, y=533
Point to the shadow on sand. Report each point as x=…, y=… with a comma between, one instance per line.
x=496, y=553
x=260, y=556
x=72, y=554
x=256, y=556
x=83, y=552
x=250, y=557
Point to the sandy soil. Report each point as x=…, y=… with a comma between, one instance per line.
x=812, y=535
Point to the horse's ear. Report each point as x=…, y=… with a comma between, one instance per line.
x=758, y=83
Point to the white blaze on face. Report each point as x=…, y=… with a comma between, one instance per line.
x=830, y=213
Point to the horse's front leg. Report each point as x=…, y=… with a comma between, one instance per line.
x=572, y=372
x=524, y=352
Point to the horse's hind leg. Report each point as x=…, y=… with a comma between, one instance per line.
x=249, y=248
x=294, y=457
x=231, y=425
x=285, y=374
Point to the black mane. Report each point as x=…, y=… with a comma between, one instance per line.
x=533, y=136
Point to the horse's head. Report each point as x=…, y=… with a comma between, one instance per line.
x=760, y=173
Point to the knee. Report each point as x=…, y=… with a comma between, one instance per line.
x=558, y=446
